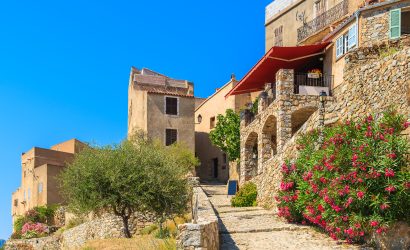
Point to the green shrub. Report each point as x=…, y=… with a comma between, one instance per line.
x=149, y=229
x=357, y=183
x=246, y=196
x=18, y=223
x=74, y=222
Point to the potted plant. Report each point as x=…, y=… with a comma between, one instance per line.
x=314, y=73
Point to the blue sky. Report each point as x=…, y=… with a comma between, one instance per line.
x=64, y=66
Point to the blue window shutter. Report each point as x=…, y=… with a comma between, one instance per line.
x=395, y=23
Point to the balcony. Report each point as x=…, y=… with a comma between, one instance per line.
x=327, y=18
x=312, y=83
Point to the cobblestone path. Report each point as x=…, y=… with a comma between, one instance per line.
x=256, y=228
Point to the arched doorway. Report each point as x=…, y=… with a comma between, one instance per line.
x=269, y=138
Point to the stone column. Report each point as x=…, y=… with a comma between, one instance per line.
x=265, y=148
x=284, y=93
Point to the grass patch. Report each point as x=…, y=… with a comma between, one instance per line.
x=143, y=242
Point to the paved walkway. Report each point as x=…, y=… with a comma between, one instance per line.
x=256, y=228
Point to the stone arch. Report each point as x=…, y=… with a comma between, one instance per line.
x=269, y=138
x=251, y=156
x=300, y=116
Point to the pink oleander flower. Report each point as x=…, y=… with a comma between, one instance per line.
x=390, y=189
x=307, y=176
x=355, y=157
x=406, y=124
x=320, y=208
x=348, y=202
x=392, y=156
x=384, y=206
x=374, y=223
x=369, y=118
x=389, y=173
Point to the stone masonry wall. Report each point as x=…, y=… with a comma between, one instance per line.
x=103, y=227
x=204, y=233
x=375, y=78
x=375, y=24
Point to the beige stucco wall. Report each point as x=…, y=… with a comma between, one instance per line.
x=71, y=146
x=137, y=110
x=205, y=150
x=39, y=165
x=287, y=19
x=159, y=121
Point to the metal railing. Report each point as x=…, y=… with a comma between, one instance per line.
x=323, y=20
x=314, y=80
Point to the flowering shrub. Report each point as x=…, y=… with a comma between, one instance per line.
x=38, y=215
x=356, y=183
x=34, y=230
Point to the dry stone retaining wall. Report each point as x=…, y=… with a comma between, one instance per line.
x=204, y=234
x=103, y=227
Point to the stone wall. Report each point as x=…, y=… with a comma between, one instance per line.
x=375, y=78
x=102, y=227
x=375, y=24
x=204, y=232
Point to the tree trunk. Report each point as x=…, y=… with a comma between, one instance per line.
x=126, y=226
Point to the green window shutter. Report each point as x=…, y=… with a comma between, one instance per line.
x=395, y=23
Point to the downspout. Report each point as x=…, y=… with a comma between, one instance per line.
x=357, y=13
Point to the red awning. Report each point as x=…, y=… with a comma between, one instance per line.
x=276, y=58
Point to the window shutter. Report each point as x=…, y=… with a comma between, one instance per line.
x=395, y=22
x=171, y=136
x=339, y=47
x=352, y=39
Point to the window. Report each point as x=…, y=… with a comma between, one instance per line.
x=278, y=36
x=24, y=195
x=171, y=136
x=28, y=194
x=212, y=122
x=339, y=47
x=352, y=37
x=395, y=19
x=347, y=41
x=16, y=202
x=405, y=22
x=319, y=7
x=40, y=187
x=171, y=105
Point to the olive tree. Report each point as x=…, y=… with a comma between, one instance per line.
x=138, y=175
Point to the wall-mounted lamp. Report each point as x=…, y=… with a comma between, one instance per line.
x=199, y=119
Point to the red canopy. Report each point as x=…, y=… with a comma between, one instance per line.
x=276, y=58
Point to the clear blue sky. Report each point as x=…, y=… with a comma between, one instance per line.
x=64, y=65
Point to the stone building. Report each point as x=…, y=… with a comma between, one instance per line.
x=368, y=53
x=39, y=169
x=215, y=164
x=162, y=107
x=301, y=22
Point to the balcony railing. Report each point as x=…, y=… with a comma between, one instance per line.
x=323, y=20
x=313, y=83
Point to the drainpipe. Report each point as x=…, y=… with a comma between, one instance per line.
x=357, y=13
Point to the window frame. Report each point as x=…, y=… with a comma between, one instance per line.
x=212, y=122
x=345, y=42
x=177, y=136
x=352, y=40
x=340, y=46
x=40, y=187
x=165, y=105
